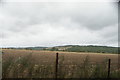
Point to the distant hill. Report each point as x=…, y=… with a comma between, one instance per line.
x=89, y=48
x=77, y=48
x=28, y=48
x=36, y=48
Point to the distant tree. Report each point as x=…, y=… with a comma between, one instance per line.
x=44, y=49
x=54, y=49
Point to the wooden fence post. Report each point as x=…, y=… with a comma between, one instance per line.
x=109, y=61
x=56, y=67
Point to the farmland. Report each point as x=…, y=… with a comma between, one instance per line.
x=41, y=64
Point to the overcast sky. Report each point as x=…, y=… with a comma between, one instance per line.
x=58, y=23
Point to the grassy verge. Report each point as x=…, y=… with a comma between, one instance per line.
x=25, y=67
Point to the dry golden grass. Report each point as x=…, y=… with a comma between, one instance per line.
x=31, y=63
x=49, y=56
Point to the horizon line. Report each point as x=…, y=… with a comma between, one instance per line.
x=52, y=46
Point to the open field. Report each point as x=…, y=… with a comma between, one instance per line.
x=41, y=64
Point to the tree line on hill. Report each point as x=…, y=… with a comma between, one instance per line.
x=95, y=49
x=76, y=48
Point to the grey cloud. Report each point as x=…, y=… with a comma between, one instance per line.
x=60, y=20
x=109, y=31
x=52, y=13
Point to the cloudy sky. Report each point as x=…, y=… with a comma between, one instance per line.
x=34, y=23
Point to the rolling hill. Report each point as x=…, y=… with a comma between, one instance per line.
x=77, y=48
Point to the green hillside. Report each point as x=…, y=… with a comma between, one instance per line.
x=77, y=48
x=96, y=49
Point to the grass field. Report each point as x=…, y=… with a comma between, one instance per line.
x=41, y=64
